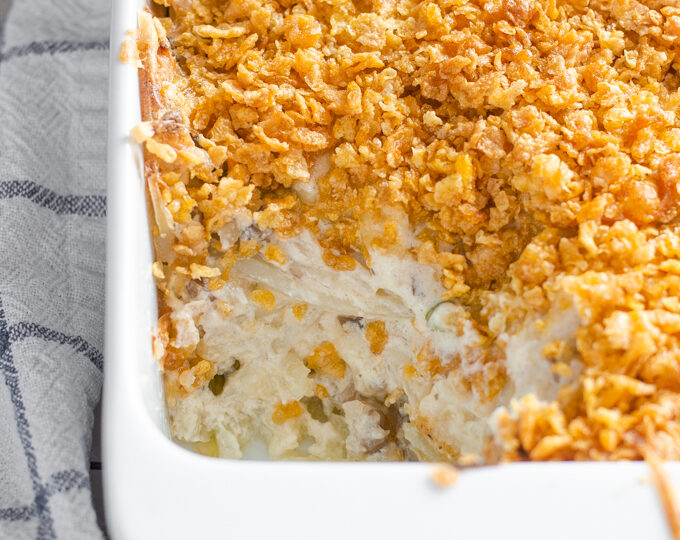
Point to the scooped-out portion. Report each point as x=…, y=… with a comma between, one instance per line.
x=416, y=230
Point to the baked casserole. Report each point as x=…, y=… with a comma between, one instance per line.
x=416, y=230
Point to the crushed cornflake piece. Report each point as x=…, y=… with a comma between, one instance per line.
x=431, y=119
x=299, y=310
x=320, y=391
x=129, y=53
x=142, y=132
x=444, y=475
x=157, y=270
x=377, y=336
x=286, y=411
x=265, y=299
x=275, y=253
x=200, y=271
x=326, y=360
x=196, y=376
x=207, y=31
x=164, y=151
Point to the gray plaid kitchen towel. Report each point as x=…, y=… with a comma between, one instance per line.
x=53, y=102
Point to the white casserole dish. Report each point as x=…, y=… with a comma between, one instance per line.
x=153, y=488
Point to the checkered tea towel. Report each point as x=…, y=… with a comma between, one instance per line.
x=53, y=103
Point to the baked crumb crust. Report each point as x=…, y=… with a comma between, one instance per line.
x=534, y=146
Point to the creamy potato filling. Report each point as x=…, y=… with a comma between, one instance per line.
x=366, y=364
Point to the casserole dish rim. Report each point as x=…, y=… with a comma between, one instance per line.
x=154, y=488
